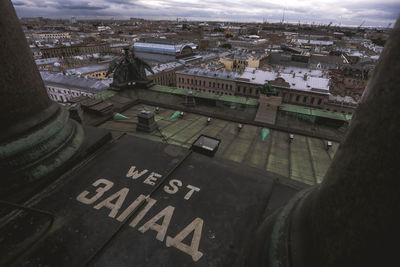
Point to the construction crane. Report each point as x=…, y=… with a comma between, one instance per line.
x=361, y=24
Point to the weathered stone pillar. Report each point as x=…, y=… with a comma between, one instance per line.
x=37, y=137
x=353, y=217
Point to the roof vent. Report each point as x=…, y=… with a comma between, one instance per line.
x=206, y=145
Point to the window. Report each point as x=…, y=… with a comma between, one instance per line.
x=304, y=99
x=217, y=85
x=238, y=89
x=230, y=86
x=209, y=84
x=251, y=91
x=297, y=98
x=319, y=101
x=312, y=100
x=195, y=82
x=204, y=83
x=214, y=84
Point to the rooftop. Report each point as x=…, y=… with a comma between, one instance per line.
x=75, y=82
x=162, y=67
x=304, y=160
x=257, y=76
x=88, y=69
x=46, y=61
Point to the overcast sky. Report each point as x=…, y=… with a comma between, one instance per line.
x=346, y=12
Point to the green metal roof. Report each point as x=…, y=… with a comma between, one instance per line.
x=224, y=98
x=105, y=94
x=315, y=112
x=306, y=161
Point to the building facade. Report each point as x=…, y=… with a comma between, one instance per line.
x=165, y=74
x=75, y=50
x=61, y=88
x=298, y=90
x=52, y=35
x=97, y=71
x=165, y=47
x=239, y=62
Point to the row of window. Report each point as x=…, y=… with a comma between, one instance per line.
x=164, y=79
x=203, y=83
x=243, y=90
x=314, y=101
x=65, y=92
x=98, y=74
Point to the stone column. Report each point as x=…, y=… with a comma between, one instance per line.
x=37, y=137
x=353, y=217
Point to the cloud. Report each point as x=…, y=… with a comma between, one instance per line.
x=18, y=3
x=81, y=6
x=375, y=13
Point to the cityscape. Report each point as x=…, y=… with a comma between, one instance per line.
x=187, y=133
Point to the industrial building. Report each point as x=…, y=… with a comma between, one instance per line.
x=165, y=47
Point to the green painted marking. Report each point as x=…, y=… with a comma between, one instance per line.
x=119, y=116
x=264, y=134
x=173, y=116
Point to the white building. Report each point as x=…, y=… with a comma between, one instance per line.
x=61, y=88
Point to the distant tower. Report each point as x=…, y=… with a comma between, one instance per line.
x=73, y=20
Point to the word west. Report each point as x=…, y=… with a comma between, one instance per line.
x=152, y=178
x=115, y=201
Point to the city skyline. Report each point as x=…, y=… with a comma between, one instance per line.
x=345, y=13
